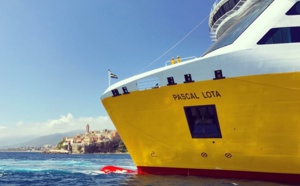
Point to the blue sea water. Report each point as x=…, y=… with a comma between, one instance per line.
x=34, y=168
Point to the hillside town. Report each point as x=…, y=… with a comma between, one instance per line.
x=102, y=141
x=91, y=142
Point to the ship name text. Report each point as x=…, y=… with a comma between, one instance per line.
x=193, y=95
x=211, y=94
x=185, y=96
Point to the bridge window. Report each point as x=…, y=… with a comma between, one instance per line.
x=281, y=35
x=203, y=121
x=231, y=34
x=295, y=10
x=226, y=7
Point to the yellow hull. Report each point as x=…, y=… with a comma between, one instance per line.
x=259, y=119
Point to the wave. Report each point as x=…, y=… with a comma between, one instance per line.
x=57, y=166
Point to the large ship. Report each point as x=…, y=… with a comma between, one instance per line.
x=233, y=112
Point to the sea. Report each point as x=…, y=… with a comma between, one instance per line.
x=36, y=168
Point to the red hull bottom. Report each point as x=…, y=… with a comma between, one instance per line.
x=273, y=177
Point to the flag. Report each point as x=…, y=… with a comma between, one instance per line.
x=113, y=75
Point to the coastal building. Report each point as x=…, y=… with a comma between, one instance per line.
x=47, y=146
x=80, y=141
x=115, y=135
x=68, y=140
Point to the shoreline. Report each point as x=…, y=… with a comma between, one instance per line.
x=62, y=153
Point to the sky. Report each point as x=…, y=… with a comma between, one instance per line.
x=55, y=55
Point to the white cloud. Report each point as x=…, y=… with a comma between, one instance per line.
x=63, y=119
x=20, y=123
x=64, y=123
x=2, y=127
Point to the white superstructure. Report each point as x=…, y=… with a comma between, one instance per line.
x=237, y=51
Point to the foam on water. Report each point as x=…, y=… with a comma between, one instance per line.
x=46, y=169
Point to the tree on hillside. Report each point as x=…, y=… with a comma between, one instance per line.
x=60, y=144
x=122, y=148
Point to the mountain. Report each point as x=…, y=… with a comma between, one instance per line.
x=10, y=141
x=51, y=139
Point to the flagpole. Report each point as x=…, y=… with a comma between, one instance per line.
x=108, y=78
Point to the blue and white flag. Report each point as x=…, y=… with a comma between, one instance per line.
x=113, y=75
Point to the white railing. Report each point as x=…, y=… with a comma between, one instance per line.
x=181, y=60
x=148, y=83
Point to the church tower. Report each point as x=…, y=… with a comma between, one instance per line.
x=87, y=129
